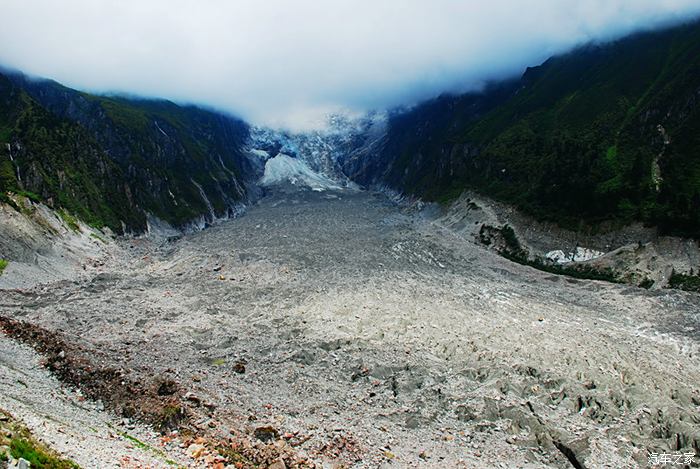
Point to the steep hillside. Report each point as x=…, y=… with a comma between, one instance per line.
x=46, y=157
x=605, y=133
x=111, y=160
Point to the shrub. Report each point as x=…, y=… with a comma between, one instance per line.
x=684, y=282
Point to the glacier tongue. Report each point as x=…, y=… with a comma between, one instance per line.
x=315, y=158
x=285, y=169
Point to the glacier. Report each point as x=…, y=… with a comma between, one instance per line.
x=284, y=169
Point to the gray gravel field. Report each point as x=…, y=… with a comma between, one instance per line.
x=379, y=338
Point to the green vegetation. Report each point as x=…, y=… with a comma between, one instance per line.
x=98, y=238
x=138, y=443
x=236, y=456
x=687, y=282
x=59, y=162
x=172, y=146
x=148, y=448
x=30, y=195
x=110, y=160
x=580, y=271
x=38, y=456
x=3, y=265
x=574, y=141
x=512, y=250
x=22, y=444
x=70, y=221
x=511, y=240
x=170, y=417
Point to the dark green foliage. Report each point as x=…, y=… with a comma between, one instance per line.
x=581, y=271
x=574, y=141
x=112, y=160
x=58, y=162
x=3, y=265
x=30, y=195
x=685, y=282
x=512, y=250
x=165, y=149
x=512, y=243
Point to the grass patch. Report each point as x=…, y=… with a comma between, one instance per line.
x=38, y=456
x=147, y=448
x=235, y=456
x=98, y=237
x=138, y=443
x=69, y=220
x=218, y=362
x=30, y=195
x=22, y=444
x=3, y=265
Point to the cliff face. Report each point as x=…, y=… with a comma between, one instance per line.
x=604, y=133
x=115, y=161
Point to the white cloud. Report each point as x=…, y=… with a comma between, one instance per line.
x=272, y=61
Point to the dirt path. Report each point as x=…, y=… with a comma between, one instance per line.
x=370, y=337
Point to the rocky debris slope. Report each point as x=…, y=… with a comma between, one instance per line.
x=354, y=333
x=42, y=245
x=632, y=254
x=183, y=422
x=64, y=420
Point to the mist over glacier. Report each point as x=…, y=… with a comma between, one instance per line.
x=286, y=63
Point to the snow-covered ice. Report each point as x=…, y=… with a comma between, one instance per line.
x=580, y=255
x=283, y=168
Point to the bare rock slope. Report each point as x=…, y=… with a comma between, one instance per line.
x=42, y=245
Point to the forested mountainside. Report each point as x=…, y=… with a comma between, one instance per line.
x=605, y=133
x=113, y=160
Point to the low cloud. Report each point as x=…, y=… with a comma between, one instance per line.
x=285, y=62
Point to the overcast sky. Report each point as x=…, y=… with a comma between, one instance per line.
x=286, y=62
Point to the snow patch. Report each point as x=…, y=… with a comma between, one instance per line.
x=283, y=168
x=260, y=153
x=580, y=255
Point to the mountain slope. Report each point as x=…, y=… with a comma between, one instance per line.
x=608, y=132
x=50, y=158
x=150, y=157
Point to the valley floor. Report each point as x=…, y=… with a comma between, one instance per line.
x=351, y=332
